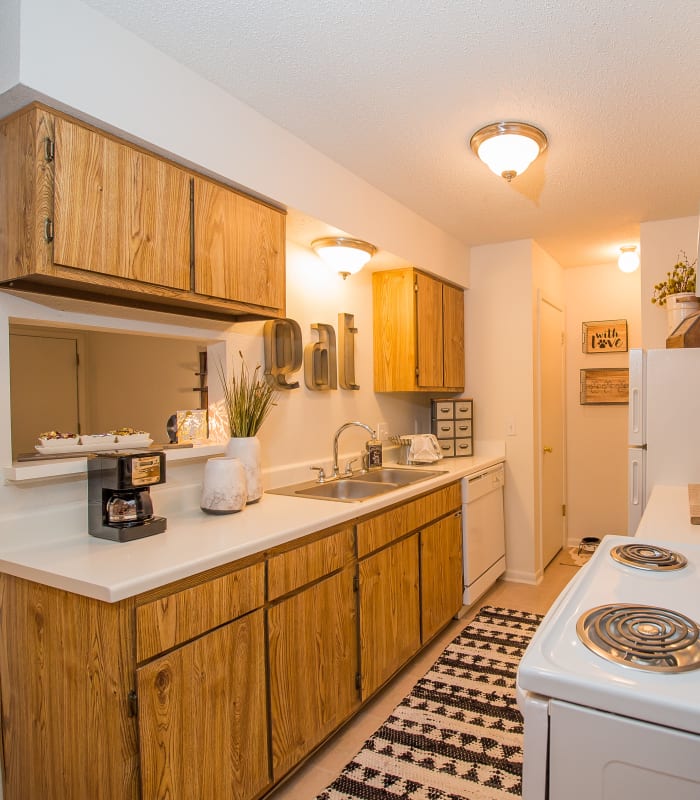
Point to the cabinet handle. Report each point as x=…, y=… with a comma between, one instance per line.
x=49, y=149
x=547, y=449
x=48, y=230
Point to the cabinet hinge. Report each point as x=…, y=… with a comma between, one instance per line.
x=563, y=510
x=358, y=681
x=133, y=702
x=49, y=149
x=355, y=583
x=48, y=230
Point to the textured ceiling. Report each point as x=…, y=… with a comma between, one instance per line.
x=393, y=91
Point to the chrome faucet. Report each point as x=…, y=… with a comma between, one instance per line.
x=336, y=436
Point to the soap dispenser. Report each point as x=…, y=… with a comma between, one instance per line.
x=373, y=453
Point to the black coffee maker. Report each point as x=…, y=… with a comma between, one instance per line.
x=119, y=497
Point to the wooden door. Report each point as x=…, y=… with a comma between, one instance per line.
x=43, y=387
x=203, y=716
x=429, y=331
x=453, y=337
x=551, y=414
x=313, y=664
x=239, y=247
x=119, y=211
x=441, y=574
x=394, y=321
x=389, y=612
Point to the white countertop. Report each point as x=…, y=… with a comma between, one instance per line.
x=667, y=516
x=195, y=541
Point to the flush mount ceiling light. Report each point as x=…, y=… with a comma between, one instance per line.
x=508, y=148
x=628, y=260
x=345, y=256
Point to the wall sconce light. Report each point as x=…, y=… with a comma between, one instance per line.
x=508, y=148
x=628, y=260
x=345, y=256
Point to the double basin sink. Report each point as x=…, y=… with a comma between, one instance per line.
x=356, y=488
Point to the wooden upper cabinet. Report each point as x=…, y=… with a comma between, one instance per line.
x=418, y=332
x=118, y=210
x=239, y=247
x=85, y=214
x=453, y=336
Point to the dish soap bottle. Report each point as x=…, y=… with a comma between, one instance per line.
x=373, y=453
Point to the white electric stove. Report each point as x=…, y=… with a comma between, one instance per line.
x=610, y=685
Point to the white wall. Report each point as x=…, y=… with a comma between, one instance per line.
x=85, y=63
x=597, y=435
x=500, y=379
x=660, y=244
x=9, y=44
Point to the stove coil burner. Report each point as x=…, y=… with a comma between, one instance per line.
x=643, y=637
x=648, y=556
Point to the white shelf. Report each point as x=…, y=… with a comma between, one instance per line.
x=65, y=467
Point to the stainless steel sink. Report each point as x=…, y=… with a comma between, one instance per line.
x=346, y=489
x=362, y=486
x=398, y=476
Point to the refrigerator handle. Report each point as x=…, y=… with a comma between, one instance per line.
x=635, y=483
x=635, y=410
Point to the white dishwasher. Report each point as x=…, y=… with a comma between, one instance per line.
x=483, y=530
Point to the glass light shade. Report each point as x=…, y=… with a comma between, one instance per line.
x=508, y=148
x=628, y=260
x=345, y=256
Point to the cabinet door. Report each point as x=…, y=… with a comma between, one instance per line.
x=313, y=664
x=441, y=574
x=453, y=336
x=119, y=211
x=203, y=716
x=389, y=612
x=238, y=247
x=429, y=331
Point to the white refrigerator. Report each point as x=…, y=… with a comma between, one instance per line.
x=664, y=424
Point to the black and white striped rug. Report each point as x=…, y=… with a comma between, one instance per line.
x=458, y=735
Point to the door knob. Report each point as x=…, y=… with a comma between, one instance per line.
x=547, y=449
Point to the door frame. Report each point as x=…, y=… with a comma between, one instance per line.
x=539, y=537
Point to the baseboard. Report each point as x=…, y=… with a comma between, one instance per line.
x=531, y=578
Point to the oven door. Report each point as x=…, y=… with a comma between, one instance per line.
x=598, y=756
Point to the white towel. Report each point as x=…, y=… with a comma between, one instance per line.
x=424, y=449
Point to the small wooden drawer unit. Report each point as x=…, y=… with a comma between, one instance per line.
x=452, y=424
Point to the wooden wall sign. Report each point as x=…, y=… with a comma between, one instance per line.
x=604, y=386
x=607, y=336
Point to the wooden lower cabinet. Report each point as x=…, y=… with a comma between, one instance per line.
x=313, y=667
x=203, y=716
x=441, y=573
x=389, y=612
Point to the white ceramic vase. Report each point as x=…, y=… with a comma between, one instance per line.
x=224, y=486
x=247, y=450
x=678, y=307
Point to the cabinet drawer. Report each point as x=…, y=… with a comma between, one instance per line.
x=288, y=571
x=384, y=528
x=447, y=447
x=181, y=616
x=444, y=429
x=463, y=409
x=463, y=427
x=463, y=447
x=443, y=409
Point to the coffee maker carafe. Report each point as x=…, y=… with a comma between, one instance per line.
x=119, y=499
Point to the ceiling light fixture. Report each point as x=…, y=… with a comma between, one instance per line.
x=628, y=260
x=346, y=256
x=508, y=148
